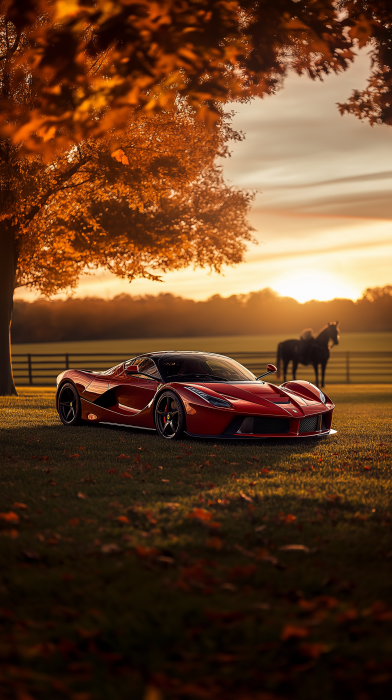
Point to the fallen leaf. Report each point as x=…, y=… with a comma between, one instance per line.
x=10, y=517
x=295, y=548
x=152, y=693
x=214, y=543
x=123, y=519
x=10, y=533
x=246, y=498
x=31, y=554
x=126, y=475
x=81, y=495
x=146, y=552
x=67, y=577
x=21, y=506
x=293, y=632
x=111, y=548
x=200, y=514
x=165, y=481
x=122, y=456
x=313, y=650
x=265, y=471
x=74, y=522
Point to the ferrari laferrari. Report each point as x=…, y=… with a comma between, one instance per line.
x=197, y=393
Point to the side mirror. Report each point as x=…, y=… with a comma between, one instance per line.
x=131, y=369
x=271, y=369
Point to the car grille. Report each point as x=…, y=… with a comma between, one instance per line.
x=270, y=426
x=309, y=424
x=258, y=426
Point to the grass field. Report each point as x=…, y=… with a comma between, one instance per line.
x=136, y=568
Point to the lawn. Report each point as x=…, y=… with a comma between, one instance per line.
x=135, y=568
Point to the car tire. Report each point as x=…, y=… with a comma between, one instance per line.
x=68, y=405
x=169, y=416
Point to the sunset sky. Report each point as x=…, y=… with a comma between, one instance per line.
x=323, y=211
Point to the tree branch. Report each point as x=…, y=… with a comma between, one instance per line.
x=61, y=180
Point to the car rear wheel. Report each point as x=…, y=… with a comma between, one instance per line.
x=68, y=405
x=169, y=416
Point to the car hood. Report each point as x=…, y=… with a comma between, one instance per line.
x=262, y=394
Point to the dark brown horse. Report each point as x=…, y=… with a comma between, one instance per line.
x=316, y=353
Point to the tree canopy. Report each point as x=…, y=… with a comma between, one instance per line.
x=157, y=203
x=89, y=64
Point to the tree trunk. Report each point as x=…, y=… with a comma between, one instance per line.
x=8, y=261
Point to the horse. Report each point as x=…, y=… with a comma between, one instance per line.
x=317, y=354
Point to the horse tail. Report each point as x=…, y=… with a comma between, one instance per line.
x=279, y=360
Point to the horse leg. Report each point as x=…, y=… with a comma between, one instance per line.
x=295, y=366
x=285, y=365
x=316, y=372
x=323, y=366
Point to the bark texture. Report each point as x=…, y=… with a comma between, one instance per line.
x=8, y=260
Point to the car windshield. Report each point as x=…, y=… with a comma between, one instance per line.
x=204, y=368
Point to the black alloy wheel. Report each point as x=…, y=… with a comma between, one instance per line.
x=169, y=416
x=68, y=405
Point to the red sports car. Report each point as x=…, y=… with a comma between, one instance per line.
x=197, y=393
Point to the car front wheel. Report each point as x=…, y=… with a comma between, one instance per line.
x=169, y=416
x=68, y=405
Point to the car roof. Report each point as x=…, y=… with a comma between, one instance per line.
x=158, y=354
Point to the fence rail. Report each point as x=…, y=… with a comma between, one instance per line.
x=343, y=367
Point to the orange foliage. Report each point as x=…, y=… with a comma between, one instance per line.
x=93, y=62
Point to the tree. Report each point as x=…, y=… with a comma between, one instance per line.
x=157, y=203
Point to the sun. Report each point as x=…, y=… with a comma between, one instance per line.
x=310, y=284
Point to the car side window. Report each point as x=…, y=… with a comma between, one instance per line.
x=146, y=365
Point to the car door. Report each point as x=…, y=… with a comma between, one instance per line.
x=97, y=387
x=137, y=390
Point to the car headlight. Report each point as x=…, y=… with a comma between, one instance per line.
x=213, y=400
x=322, y=397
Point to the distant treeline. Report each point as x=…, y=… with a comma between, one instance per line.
x=165, y=315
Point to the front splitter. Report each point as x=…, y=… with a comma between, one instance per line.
x=325, y=433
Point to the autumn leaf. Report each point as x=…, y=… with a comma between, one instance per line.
x=74, y=522
x=13, y=534
x=146, y=552
x=82, y=495
x=10, y=517
x=313, y=650
x=294, y=548
x=200, y=514
x=123, y=519
x=214, y=543
x=152, y=692
x=21, y=506
x=126, y=475
x=111, y=548
x=293, y=632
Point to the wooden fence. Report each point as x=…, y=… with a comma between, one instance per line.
x=343, y=367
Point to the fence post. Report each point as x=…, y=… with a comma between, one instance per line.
x=30, y=369
x=66, y=361
x=347, y=368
